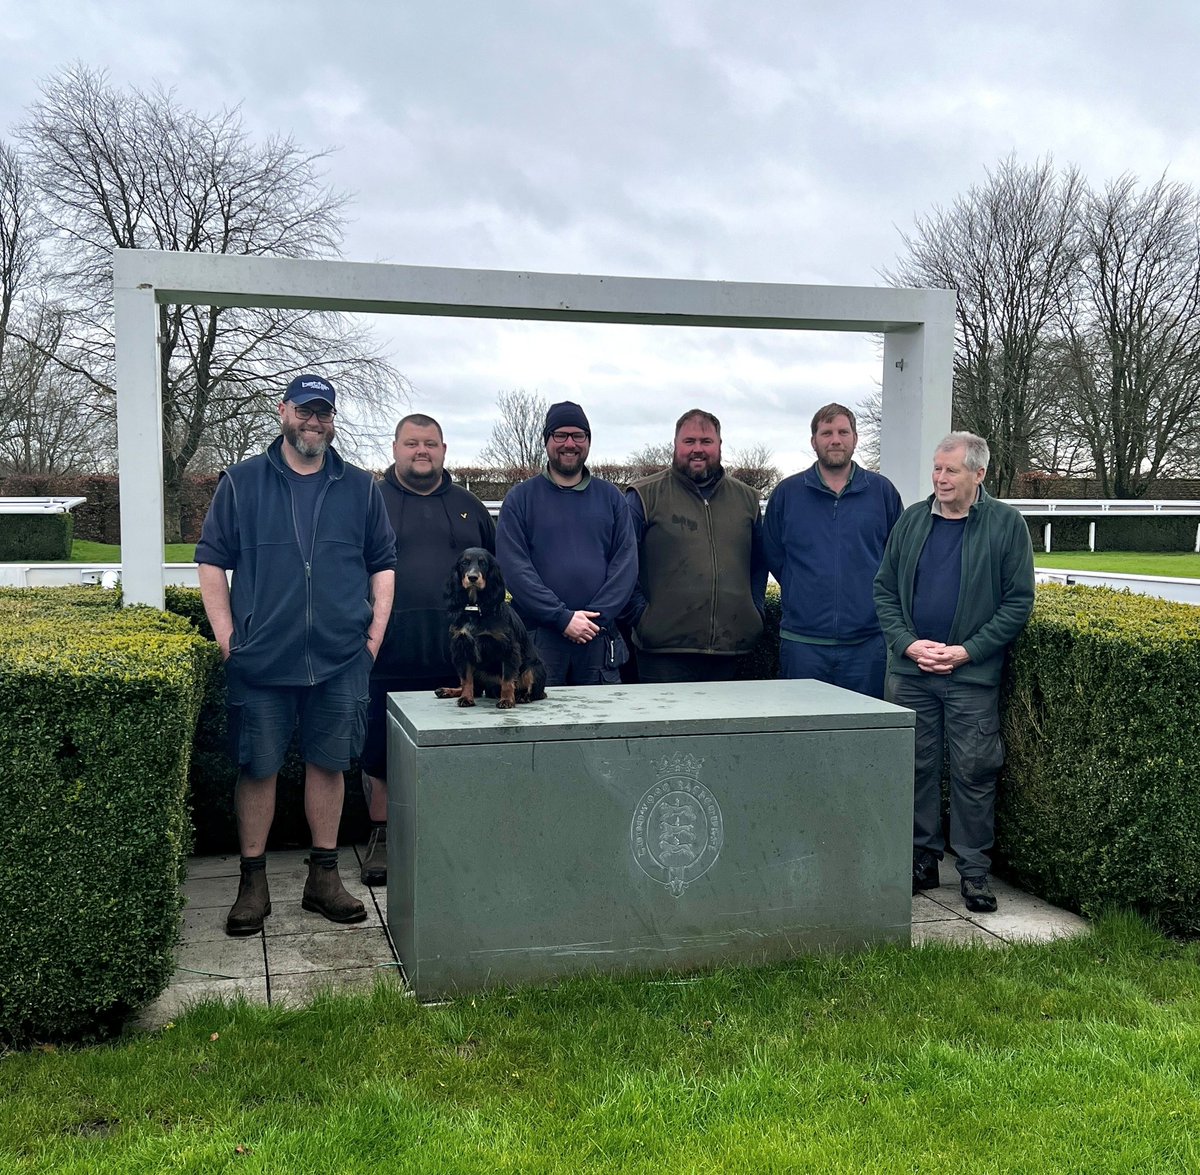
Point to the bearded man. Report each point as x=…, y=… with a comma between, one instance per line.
x=702, y=571
x=312, y=556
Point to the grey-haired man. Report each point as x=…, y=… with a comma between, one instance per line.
x=953, y=592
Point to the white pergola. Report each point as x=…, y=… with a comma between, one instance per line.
x=917, y=325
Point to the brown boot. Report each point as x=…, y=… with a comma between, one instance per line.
x=325, y=894
x=252, y=905
x=374, y=866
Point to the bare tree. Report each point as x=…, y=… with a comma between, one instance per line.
x=753, y=465
x=1009, y=248
x=651, y=458
x=52, y=423
x=18, y=241
x=1134, y=331
x=868, y=414
x=136, y=170
x=516, y=446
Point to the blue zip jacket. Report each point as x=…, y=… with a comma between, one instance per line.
x=825, y=550
x=299, y=617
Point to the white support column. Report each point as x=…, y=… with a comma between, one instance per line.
x=1046, y=532
x=918, y=376
x=139, y=441
x=1092, y=536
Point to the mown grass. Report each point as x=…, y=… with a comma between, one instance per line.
x=1174, y=563
x=1075, y=1056
x=86, y=552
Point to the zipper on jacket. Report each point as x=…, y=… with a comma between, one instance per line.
x=712, y=550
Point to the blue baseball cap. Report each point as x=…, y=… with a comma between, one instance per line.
x=304, y=389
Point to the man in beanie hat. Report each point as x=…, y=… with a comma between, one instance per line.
x=566, y=545
x=312, y=553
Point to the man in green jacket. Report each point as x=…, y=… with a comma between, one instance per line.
x=953, y=592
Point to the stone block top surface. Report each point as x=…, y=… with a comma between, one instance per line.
x=641, y=711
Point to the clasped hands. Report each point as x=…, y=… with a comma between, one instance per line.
x=935, y=657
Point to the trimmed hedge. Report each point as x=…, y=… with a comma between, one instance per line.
x=99, y=707
x=32, y=538
x=1147, y=533
x=1099, y=803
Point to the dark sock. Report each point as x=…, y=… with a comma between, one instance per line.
x=326, y=858
x=254, y=864
x=379, y=826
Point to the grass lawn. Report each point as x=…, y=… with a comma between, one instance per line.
x=85, y=552
x=1076, y=1056
x=1181, y=565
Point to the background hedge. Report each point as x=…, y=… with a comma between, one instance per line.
x=1100, y=802
x=99, y=706
x=32, y=538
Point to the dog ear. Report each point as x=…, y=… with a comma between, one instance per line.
x=495, y=576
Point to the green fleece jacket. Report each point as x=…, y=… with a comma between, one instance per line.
x=995, y=592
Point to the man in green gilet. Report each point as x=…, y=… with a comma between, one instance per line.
x=702, y=570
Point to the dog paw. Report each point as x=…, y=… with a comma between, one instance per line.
x=442, y=693
x=466, y=702
x=504, y=704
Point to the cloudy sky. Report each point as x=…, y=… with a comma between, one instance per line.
x=779, y=141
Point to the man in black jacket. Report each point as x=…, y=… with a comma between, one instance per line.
x=434, y=521
x=312, y=554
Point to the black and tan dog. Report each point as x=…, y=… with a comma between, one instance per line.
x=489, y=645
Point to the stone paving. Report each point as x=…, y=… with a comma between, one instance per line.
x=299, y=953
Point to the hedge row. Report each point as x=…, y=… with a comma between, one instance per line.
x=100, y=707
x=1100, y=803
x=1116, y=534
x=31, y=538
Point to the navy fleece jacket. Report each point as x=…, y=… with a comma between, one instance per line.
x=299, y=617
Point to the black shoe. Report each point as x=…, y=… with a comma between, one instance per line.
x=977, y=893
x=253, y=904
x=925, y=870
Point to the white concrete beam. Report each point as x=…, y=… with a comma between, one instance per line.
x=139, y=443
x=918, y=326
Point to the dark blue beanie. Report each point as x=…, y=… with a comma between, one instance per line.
x=565, y=415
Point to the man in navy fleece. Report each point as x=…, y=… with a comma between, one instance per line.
x=566, y=546
x=312, y=553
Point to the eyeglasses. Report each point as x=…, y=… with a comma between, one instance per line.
x=324, y=415
x=561, y=438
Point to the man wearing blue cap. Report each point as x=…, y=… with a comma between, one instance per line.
x=566, y=546
x=312, y=553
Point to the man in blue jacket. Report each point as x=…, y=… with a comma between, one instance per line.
x=435, y=521
x=953, y=592
x=824, y=534
x=566, y=546
x=312, y=554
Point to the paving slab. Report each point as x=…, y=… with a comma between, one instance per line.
x=300, y=988
x=953, y=932
x=223, y=958
x=333, y=950
x=178, y=999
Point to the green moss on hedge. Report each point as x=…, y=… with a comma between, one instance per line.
x=1100, y=802
x=100, y=706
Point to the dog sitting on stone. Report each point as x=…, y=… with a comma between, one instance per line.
x=490, y=647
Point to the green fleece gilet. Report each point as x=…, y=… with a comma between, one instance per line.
x=694, y=566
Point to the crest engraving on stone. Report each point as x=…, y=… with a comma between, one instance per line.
x=677, y=831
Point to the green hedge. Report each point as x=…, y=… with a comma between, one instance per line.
x=34, y=538
x=1100, y=802
x=1171, y=533
x=99, y=708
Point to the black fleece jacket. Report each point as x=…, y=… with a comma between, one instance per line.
x=431, y=531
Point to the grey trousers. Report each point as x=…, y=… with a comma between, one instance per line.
x=966, y=719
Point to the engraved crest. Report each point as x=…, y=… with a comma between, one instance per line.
x=677, y=831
